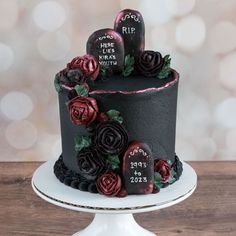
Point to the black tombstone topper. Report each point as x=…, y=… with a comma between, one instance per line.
x=138, y=169
x=130, y=24
x=108, y=47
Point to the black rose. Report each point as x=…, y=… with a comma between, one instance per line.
x=68, y=79
x=110, y=138
x=90, y=163
x=177, y=166
x=150, y=63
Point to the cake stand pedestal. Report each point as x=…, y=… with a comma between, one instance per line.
x=113, y=216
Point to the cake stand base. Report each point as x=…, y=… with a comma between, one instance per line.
x=115, y=225
x=113, y=216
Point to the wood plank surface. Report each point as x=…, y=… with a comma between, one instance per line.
x=210, y=211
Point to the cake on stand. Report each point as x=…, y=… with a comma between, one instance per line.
x=113, y=216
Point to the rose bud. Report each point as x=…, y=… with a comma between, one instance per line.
x=150, y=63
x=83, y=110
x=162, y=167
x=109, y=184
x=87, y=64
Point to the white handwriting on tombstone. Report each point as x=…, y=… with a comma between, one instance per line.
x=137, y=167
x=108, y=58
x=128, y=30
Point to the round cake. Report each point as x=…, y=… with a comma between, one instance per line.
x=118, y=114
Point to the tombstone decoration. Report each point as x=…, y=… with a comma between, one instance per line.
x=138, y=171
x=108, y=47
x=130, y=24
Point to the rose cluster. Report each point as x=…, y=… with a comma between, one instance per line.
x=87, y=64
x=109, y=138
x=78, y=71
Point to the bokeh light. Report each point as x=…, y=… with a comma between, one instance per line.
x=56, y=148
x=8, y=15
x=16, y=105
x=225, y=113
x=130, y=4
x=223, y=37
x=207, y=149
x=53, y=46
x=227, y=71
x=154, y=12
x=230, y=139
x=179, y=7
x=159, y=37
x=190, y=33
x=6, y=57
x=49, y=15
x=21, y=134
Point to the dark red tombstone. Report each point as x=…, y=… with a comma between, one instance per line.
x=130, y=24
x=138, y=170
x=108, y=47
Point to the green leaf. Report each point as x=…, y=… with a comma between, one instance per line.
x=157, y=180
x=169, y=162
x=81, y=90
x=113, y=162
x=129, y=66
x=103, y=70
x=172, y=179
x=57, y=84
x=165, y=69
x=115, y=115
x=82, y=142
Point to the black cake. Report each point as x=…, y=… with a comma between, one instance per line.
x=118, y=114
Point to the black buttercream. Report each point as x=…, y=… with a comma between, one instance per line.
x=72, y=179
x=149, y=115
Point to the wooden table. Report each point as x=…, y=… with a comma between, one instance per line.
x=210, y=211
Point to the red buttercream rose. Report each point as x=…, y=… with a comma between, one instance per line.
x=162, y=167
x=109, y=184
x=87, y=64
x=83, y=110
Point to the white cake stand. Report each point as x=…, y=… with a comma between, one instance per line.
x=113, y=216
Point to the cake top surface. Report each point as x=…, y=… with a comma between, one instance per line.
x=135, y=84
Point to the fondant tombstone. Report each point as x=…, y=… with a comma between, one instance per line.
x=130, y=24
x=138, y=170
x=108, y=47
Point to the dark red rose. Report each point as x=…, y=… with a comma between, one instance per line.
x=87, y=64
x=110, y=138
x=109, y=184
x=103, y=117
x=150, y=63
x=83, y=110
x=90, y=163
x=162, y=167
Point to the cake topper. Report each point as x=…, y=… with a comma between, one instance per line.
x=108, y=47
x=138, y=169
x=130, y=24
